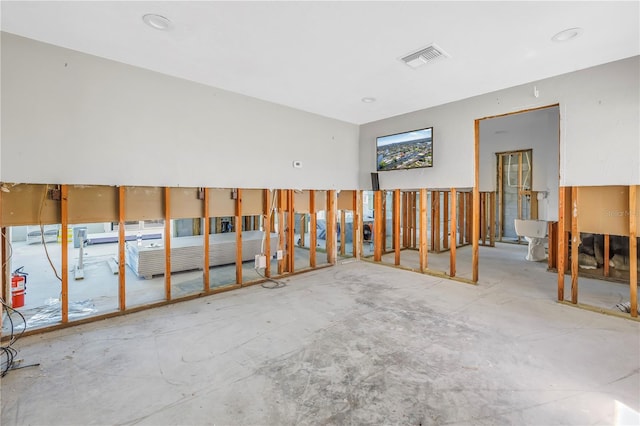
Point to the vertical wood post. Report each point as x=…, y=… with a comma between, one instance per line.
x=238, y=223
x=378, y=237
x=445, y=219
x=562, y=241
x=343, y=234
x=454, y=227
x=492, y=219
x=423, y=230
x=267, y=229
x=122, y=304
x=469, y=217
x=396, y=225
x=461, y=217
x=331, y=226
x=282, y=230
x=633, y=249
x=313, y=232
x=435, y=220
x=476, y=203
x=483, y=218
x=291, y=234
x=64, y=218
x=355, y=239
x=575, y=243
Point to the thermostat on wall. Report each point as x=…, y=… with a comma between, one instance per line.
x=297, y=164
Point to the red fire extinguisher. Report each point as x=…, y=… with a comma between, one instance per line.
x=18, y=287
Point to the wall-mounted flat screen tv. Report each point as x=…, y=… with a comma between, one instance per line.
x=408, y=150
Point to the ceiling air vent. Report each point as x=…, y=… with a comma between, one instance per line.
x=430, y=53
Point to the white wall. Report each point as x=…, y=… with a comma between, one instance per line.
x=599, y=129
x=68, y=117
x=537, y=130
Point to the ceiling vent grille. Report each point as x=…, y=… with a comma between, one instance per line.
x=429, y=54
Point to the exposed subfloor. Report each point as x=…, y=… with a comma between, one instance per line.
x=358, y=343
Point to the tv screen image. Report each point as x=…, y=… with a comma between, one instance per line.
x=407, y=150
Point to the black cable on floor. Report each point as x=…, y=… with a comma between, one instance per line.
x=277, y=284
x=7, y=352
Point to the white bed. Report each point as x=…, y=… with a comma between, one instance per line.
x=187, y=252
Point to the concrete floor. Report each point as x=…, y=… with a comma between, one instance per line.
x=358, y=343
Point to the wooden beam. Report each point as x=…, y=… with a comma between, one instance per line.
x=291, y=235
x=562, y=241
x=469, y=219
x=64, y=243
x=167, y=243
x=267, y=229
x=454, y=225
x=303, y=230
x=575, y=243
x=500, y=200
x=122, y=303
x=476, y=203
x=414, y=224
x=396, y=225
x=331, y=226
x=607, y=249
x=552, y=230
x=483, y=218
x=383, y=223
x=282, y=244
x=423, y=250
x=378, y=217
x=435, y=220
x=5, y=274
x=520, y=187
x=445, y=219
x=313, y=232
x=492, y=219
x=633, y=249
x=462, y=223
x=356, y=239
x=238, y=229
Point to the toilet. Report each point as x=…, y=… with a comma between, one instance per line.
x=534, y=232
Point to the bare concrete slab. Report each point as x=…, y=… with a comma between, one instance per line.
x=355, y=344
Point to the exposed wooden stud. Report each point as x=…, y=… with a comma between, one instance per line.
x=343, y=235
x=575, y=243
x=562, y=241
x=313, y=232
x=500, y=197
x=122, y=303
x=414, y=219
x=492, y=219
x=483, y=218
x=461, y=217
x=606, y=255
x=454, y=227
x=5, y=273
x=435, y=221
x=355, y=238
x=64, y=243
x=383, y=224
x=396, y=225
x=633, y=249
x=469, y=217
x=476, y=203
x=520, y=187
x=378, y=237
x=423, y=250
x=331, y=226
x=445, y=220
x=238, y=229
x=167, y=243
x=267, y=229
x=552, y=231
x=291, y=224
x=282, y=233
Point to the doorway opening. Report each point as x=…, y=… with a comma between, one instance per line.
x=516, y=200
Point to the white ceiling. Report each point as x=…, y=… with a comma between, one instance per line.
x=324, y=57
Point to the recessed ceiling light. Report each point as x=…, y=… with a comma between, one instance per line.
x=368, y=100
x=566, y=35
x=157, y=22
